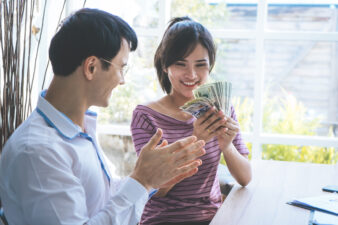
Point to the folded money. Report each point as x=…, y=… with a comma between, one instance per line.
x=216, y=94
x=197, y=107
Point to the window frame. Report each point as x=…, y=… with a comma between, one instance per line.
x=261, y=34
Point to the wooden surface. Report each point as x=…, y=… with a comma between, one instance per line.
x=263, y=201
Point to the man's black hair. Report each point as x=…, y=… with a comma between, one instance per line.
x=88, y=32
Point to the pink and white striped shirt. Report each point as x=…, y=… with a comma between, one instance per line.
x=196, y=198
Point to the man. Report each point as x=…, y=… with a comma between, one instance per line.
x=52, y=169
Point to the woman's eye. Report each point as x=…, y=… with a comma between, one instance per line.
x=179, y=64
x=202, y=65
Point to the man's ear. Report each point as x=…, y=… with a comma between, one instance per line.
x=90, y=66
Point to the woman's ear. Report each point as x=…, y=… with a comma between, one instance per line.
x=89, y=67
x=165, y=70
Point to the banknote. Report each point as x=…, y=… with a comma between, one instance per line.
x=216, y=94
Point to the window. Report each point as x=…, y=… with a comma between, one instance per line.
x=280, y=56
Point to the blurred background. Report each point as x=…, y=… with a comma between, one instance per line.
x=281, y=57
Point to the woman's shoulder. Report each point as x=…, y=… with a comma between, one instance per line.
x=149, y=108
x=160, y=110
x=153, y=106
x=157, y=106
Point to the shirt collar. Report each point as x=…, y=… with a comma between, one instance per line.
x=61, y=122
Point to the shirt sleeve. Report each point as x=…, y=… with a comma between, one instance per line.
x=238, y=140
x=142, y=129
x=125, y=207
x=50, y=193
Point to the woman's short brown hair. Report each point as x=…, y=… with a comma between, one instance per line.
x=179, y=40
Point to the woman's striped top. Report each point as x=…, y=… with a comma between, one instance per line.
x=196, y=198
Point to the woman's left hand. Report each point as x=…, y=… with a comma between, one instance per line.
x=227, y=133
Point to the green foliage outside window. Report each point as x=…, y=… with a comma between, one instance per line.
x=285, y=116
x=123, y=100
x=291, y=119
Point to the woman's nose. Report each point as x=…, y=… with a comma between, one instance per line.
x=191, y=72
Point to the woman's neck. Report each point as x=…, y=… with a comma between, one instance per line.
x=176, y=101
x=170, y=105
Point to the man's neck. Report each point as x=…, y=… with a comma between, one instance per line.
x=67, y=99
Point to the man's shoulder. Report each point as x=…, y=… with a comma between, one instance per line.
x=33, y=131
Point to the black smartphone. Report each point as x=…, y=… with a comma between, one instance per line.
x=330, y=188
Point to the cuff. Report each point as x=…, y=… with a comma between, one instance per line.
x=133, y=191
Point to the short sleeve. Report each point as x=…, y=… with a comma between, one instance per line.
x=141, y=129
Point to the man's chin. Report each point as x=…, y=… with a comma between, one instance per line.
x=106, y=103
x=102, y=104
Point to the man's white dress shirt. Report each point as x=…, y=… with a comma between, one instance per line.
x=51, y=172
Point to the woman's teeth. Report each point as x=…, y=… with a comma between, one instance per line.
x=189, y=83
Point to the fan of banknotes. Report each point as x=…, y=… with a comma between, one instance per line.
x=216, y=94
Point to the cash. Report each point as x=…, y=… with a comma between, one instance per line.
x=216, y=94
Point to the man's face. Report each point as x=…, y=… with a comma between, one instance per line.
x=107, y=80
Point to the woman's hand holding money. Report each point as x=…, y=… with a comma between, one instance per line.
x=228, y=132
x=238, y=164
x=209, y=125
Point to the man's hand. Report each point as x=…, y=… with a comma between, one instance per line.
x=164, y=165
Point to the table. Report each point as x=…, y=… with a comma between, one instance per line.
x=263, y=201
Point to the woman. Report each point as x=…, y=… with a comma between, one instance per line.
x=183, y=60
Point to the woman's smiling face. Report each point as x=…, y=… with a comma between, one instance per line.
x=187, y=74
